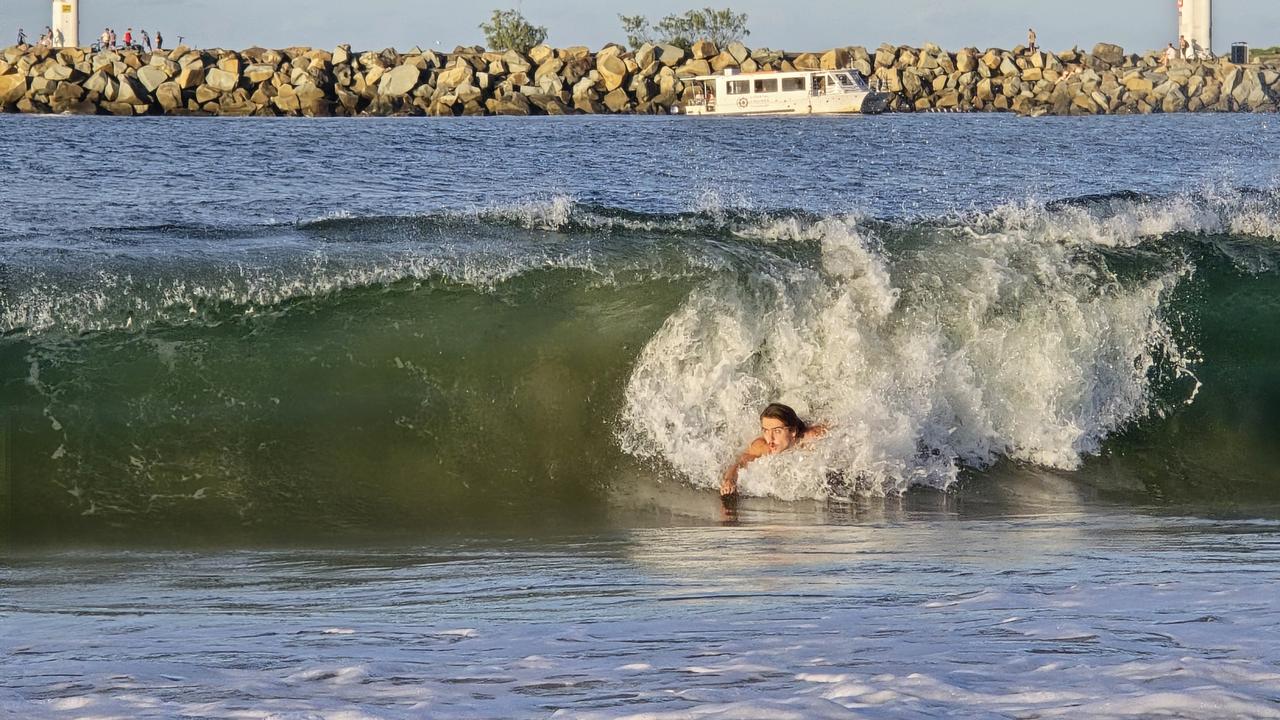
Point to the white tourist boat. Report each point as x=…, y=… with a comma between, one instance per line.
x=803, y=92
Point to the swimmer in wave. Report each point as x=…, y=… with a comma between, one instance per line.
x=780, y=429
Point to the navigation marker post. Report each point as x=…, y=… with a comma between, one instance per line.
x=1195, y=20
x=66, y=17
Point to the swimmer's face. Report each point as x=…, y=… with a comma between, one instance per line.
x=776, y=434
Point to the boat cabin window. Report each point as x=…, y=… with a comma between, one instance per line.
x=737, y=87
x=792, y=84
x=767, y=86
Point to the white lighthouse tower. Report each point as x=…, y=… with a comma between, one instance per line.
x=66, y=23
x=1195, y=23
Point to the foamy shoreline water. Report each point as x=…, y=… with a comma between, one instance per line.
x=1095, y=614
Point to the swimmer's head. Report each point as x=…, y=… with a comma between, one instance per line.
x=780, y=427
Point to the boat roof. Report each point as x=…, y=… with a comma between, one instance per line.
x=769, y=73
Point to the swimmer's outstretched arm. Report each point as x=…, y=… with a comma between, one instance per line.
x=813, y=433
x=729, y=483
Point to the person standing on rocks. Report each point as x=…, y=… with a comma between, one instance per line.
x=1031, y=40
x=62, y=39
x=146, y=40
x=1184, y=47
x=105, y=39
x=128, y=38
x=159, y=41
x=22, y=36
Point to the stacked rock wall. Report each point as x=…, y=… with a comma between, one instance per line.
x=556, y=81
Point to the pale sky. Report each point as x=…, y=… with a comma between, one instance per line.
x=798, y=25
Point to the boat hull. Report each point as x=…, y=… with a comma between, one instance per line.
x=868, y=103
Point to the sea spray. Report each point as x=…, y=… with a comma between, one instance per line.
x=955, y=352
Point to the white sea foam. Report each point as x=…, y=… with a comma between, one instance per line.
x=120, y=299
x=115, y=290
x=1001, y=343
x=1125, y=222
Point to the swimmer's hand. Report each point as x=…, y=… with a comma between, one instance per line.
x=729, y=486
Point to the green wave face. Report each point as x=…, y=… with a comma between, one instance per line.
x=409, y=406
x=517, y=366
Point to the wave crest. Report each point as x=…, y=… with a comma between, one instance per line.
x=950, y=354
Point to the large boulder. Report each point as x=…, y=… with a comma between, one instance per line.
x=132, y=92
x=807, y=61
x=1138, y=84
x=205, y=94
x=191, y=76
x=670, y=55
x=517, y=62
x=1108, y=53
x=540, y=54
x=312, y=101
x=885, y=56
x=722, y=61
x=118, y=108
x=76, y=107
x=166, y=64
x=400, y=81
x=512, y=104
x=694, y=67
x=1175, y=101
x=551, y=66
x=12, y=88
x=152, y=77
x=467, y=92
x=259, y=72
x=613, y=71
x=617, y=101
x=97, y=82
x=286, y=100
x=62, y=72
x=704, y=50
x=169, y=95
x=67, y=93
x=221, y=79
x=460, y=73
x=349, y=100
x=646, y=55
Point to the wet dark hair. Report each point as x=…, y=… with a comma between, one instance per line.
x=778, y=411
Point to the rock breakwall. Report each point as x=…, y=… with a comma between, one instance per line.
x=557, y=81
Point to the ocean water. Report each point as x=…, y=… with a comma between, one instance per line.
x=414, y=418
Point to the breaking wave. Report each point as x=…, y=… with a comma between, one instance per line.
x=144, y=381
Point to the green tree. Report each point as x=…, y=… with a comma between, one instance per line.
x=637, y=30
x=508, y=30
x=719, y=26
